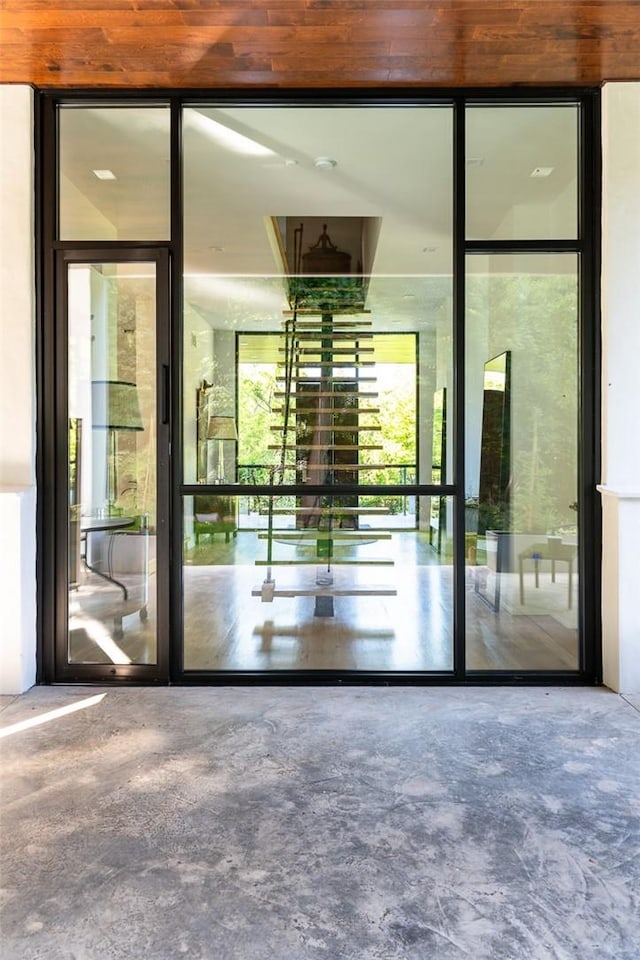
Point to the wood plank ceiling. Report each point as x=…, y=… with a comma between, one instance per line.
x=318, y=43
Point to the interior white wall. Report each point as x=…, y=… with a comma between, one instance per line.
x=17, y=392
x=427, y=380
x=197, y=368
x=475, y=354
x=88, y=221
x=224, y=396
x=621, y=384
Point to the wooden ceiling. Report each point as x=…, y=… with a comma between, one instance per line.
x=318, y=43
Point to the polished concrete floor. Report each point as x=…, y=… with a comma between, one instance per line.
x=342, y=823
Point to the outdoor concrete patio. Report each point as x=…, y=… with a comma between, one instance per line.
x=342, y=823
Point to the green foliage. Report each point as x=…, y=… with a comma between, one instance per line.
x=535, y=317
x=330, y=294
x=397, y=419
x=256, y=387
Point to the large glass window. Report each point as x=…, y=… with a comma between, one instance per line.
x=318, y=354
x=378, y=466
x=521, y=500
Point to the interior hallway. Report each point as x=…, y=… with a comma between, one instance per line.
x=342, y=823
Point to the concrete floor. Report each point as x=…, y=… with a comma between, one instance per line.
x=342, y=823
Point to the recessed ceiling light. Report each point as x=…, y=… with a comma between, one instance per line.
x=541, y=172
x=325, y=163
x=474, y=161
x=105, y=174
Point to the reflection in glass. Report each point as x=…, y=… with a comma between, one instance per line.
x=495, y=450
x=261, y=257
x=317, y=320
x=322, y=418
x=275, y=582
x=521, y=496
x=114, y=173
x=112, y=463
x=322, y=421
x=521, y=172
x=437, y=520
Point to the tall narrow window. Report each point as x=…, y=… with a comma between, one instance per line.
x=522, y=483
x=112, y=463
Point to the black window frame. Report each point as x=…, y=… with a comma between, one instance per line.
x=586, y=246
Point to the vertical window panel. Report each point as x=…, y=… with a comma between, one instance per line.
x=112, y=447
x=522, y=462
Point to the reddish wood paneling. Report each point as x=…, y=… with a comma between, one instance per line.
x=318, y=43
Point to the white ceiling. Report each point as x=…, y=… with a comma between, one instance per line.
x=244, y=165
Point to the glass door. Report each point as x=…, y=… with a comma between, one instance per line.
x=113, y=442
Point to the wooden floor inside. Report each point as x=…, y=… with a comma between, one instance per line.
x=405, y=626
x=226, y=628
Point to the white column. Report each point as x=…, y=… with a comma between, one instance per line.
x=17, y=392
x=621, y=385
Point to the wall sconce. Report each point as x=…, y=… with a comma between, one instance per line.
x=221, y=429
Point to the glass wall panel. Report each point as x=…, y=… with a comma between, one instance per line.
x=284, y=583
x=322, y=253
x=114, y=173
x=522, y=172
x=521, y=462
x=318, y=353
x=112, y=463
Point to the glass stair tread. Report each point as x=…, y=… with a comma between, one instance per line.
x=319, y=312
x=325, y=446
x=352, y=411
x=281, y=378
x=333, y=351
x=333, y=562
x=314, y=364
x=306, y=394
x=366, y=590
x=329, y=467
x=307, y=335
x=333, y=427
x=325, y=511
x=335, y=534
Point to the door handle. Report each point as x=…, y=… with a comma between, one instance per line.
x=165, y=393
